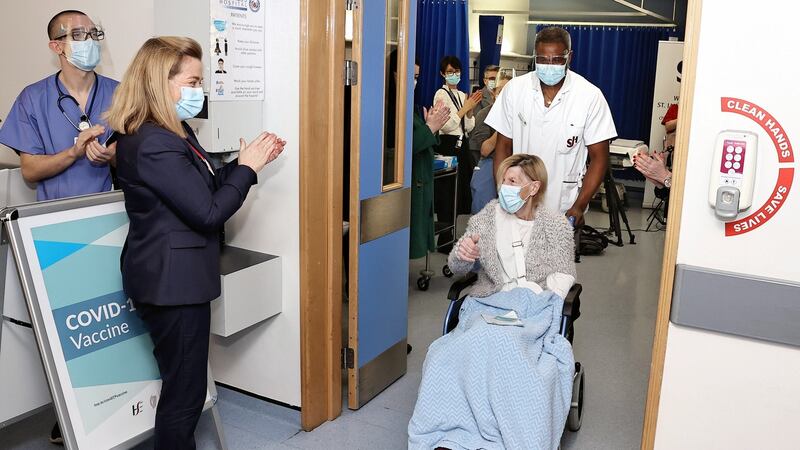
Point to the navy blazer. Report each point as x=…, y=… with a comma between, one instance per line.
x=177, y=210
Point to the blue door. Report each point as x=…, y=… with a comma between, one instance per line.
x=380, y=173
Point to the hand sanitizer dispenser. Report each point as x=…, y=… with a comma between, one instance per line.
x=733, y=173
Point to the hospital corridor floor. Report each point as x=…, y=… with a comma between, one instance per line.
x=613, y=340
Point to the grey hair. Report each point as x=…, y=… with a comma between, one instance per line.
x=491, y=68
x=553, y=35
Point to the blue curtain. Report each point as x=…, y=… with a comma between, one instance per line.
x=442, y=30
x=621, y=61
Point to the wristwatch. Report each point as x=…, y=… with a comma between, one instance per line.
x=668, y=181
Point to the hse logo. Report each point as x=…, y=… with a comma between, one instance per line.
x=572, y=141
x=136, y=409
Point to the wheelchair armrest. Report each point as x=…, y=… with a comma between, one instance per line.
x=460, y=284
x=572, y=304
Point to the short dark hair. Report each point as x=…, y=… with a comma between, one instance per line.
x=220, y=60
x=393, y=61
x=52, y=26
x=490, y=68
x=553, y=35
x=449, y=60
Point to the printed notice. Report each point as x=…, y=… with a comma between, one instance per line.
x=237, y=50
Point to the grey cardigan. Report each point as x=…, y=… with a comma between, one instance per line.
x=551, y=249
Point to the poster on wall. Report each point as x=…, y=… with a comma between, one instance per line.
x=96, y=351
x=237, y=50
x=667, y=92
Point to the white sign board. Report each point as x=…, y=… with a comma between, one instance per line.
x=236, y=51
x=97, y=353
x=667, y=92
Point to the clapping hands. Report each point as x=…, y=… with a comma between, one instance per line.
x=437, y=116
x=261, y=151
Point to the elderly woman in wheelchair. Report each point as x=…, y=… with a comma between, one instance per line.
x=503, y=377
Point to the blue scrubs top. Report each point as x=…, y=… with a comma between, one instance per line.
x=36, y=126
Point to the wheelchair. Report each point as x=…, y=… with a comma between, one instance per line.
x=570, y=314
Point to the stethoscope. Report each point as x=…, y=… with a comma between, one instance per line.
x=85, y=123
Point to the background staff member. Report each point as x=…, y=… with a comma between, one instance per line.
x=489, y=87
x=657, y=166
x=670, y=122
x=453, y=141
x=56, y=125
x=481, y=143
x=559, y=116
x=177, y=204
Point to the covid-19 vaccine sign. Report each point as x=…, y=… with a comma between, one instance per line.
x=96, y=349
x=236, y=50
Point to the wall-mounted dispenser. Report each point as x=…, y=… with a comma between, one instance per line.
x=733, y=173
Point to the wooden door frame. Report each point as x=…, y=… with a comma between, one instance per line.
x=355, y=207
x=689, y=76
x=321, y=164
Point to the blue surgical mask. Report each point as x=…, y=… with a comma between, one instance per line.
x=509, y=198
x=551, y=74
x=85, y=55
x=191, y=102
x=453, y=79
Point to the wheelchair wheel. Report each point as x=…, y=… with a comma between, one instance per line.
x=575, y=417
x=446, y=271
x=423, y=283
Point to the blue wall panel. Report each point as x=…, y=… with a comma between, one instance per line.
x=383, y=294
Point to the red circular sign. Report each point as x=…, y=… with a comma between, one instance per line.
x=783, y=146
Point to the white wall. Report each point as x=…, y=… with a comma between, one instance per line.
x=270, y=222
x=515, y=31
x=721, y=391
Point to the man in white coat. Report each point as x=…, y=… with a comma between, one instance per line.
x=561, y=117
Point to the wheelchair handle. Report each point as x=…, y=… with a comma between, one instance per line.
x=460, y=284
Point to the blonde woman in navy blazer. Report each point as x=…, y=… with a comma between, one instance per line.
x=177, y=203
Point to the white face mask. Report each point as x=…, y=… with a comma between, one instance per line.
x=492, y=84
x=85, y=55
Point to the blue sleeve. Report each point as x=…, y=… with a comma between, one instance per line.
x=20, y=130
x=164, y=167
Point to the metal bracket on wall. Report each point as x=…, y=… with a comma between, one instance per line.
x=350, y=73
x=647, y=11
x=348, y=358
x=734, y=303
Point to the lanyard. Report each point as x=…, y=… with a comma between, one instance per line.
x=84, y=123
x=458, y=104
x=202, y=158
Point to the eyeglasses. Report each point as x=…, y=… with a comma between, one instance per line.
x=82, y=35
x=558, y=59
x=450, y=72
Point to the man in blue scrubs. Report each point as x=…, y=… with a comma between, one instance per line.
x=56, y=124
